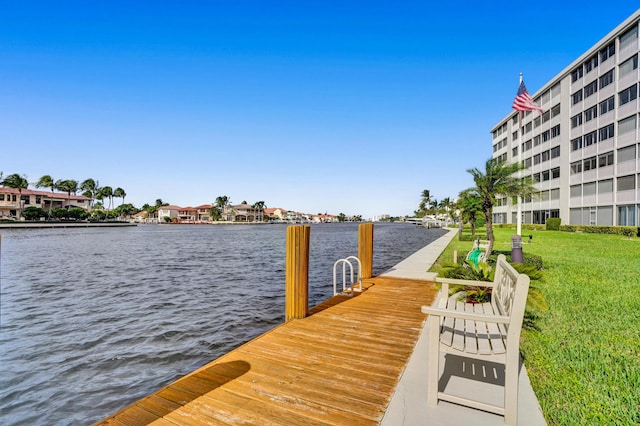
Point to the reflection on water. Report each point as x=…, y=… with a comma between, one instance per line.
x=93, y=319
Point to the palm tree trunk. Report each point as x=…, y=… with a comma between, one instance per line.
x=490, y=236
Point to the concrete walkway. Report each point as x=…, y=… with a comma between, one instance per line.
x=408, y=406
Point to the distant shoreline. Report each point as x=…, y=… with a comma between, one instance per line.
x=35, y=225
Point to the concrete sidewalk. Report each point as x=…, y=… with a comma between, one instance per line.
x=408, y=406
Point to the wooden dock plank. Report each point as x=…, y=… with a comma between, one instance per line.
x=340, y=365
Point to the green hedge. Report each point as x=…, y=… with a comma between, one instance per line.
x=553, y=224
x=629, y=231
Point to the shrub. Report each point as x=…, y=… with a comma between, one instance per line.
x=628, y=231
x=553, y=224
x=33, y=213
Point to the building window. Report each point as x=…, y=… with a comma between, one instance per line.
x=527, y=162
x=526, y=146
x=536, y=122
x=608, y=51
x=589, y=164
x=514, y=136
x=555, y=111
x=591, y=113
x=576, y=144
x=605, y=186
x=545, y=117
x=576, y=97
x=38, y=199
x=514, y=120
x=589, y=189
x=628, y=124
x=514, y=152
x=628, y=95
x=576, y=120
x=545, y=156
x=606, y=79
x=555, y=194
x=626, y=183
x=536, y=159
x=626, y=154
x=606, y=132
x=607, y=105
x=628, y=66
x=575, y=191
x=576, y=167
x=546, y=175
x=577, y=74
x=591, y=88
x=590, y=138
x=537, y=140
x=627, y=215
x=555, y=131
x=536, y=178
x=605, y=160
x=1, y=197
x=555, y=90
x=544, y=195
x=555, y=173
x=546, y=135
x=628, y=38
x=555, y=151
x=591, y=64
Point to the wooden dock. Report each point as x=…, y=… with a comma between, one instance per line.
x=338, y=366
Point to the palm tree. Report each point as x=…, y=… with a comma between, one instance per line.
x=90, y=188
x=18, y=182
x=470, y=206
x=260, y=206
x=498, y=178
x=222, y=202
x=69, y=186
x=119, y=193
x=48, y=182
x=107, y=192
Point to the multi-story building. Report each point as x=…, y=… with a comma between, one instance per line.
x=12, y=201
x=583, y=151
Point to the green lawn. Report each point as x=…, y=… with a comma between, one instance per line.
x=584, y=357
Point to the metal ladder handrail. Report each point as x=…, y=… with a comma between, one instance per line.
x=347, y=261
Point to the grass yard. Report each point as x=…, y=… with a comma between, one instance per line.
x=584, y=357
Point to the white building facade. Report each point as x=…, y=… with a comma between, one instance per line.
x=583, y=151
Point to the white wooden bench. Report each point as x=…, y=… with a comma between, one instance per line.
x=489, y=332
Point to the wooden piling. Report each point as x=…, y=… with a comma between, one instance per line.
x=365, y=249
x=297, y=272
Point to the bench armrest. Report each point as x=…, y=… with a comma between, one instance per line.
x=498, y=319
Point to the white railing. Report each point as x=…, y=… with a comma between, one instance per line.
x=353, y=282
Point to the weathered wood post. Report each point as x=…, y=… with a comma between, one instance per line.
x=365, y=248
x=297, y=272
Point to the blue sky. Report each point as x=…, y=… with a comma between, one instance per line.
x=314, y=106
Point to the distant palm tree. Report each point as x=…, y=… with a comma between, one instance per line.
x=107, y=192
x=259, y=206
x=90, y=188
x=69, y=186
x=18, y=182
x=498, y=178
x=119, y=193
x=470, y=205
x=222, y=202
x=48, y=182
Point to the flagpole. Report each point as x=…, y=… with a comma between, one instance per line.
x=519, y=210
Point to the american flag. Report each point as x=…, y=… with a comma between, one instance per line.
x=523, y=101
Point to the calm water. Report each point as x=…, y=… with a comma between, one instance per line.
x=93, y=319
